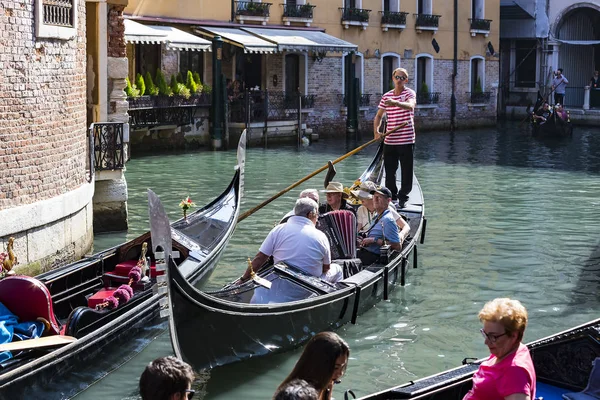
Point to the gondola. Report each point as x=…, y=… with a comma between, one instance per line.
x=554, y=128
x=64, y=296
x=562, y=362
x=210, y=329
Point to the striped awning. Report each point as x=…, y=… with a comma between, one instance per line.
x=303, y=41
x=238, y=37
x=174, y=39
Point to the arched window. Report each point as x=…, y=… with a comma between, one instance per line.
x=389, y=62
x=477, y=74
x=424, y=85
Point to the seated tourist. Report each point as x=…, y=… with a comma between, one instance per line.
x=542, y=114
x=167, y=378
x=366, y=214
x=336, y=199
x=560, y=112
x=296, y=389
x=508, y=373
x=322, y=363
x=309, y=193
x=299, y=243
x=383, y=229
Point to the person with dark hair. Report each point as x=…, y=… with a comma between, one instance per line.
x=542, y=114
x=322, y=363
x=297, y=389
x=559, y=84
x=167, y=378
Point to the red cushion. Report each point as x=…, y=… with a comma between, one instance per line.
x=100, y=296
x=28, y=299
x=123, y=268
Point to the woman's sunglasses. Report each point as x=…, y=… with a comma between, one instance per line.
x=400, y=77
x=190, y=393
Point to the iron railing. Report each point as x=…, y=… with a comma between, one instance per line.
x=428, y=98
x=203, y=99
x=58, y=12
x=479, y=97
x=261, y=106
x=480, y=24
x=355, y=14
x=393, y=18
x=150, y=111
x=298, y=10
x=108, y=145
x=252, y=9
x=364, y=101
x=427, y=20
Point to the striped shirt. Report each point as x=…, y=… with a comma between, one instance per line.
x=397, y=115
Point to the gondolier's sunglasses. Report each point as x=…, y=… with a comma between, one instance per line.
x=190, y=393
x=492, y=338
x=400, y=77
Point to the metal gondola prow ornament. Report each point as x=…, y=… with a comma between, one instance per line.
x=160, y=233
x=241, y=160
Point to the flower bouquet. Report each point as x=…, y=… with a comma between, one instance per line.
x=185, y=205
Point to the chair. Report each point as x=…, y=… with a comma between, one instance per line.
x=30, y=300
x=592, y=390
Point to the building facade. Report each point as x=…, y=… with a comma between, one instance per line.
x=47, y=188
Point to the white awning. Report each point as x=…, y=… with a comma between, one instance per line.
x=175, y=39
x=301, y=40
x=249, y=42
x=579, y=42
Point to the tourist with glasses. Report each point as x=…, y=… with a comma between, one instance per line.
x=167, y=378
x=508, y=373
x=398, y=105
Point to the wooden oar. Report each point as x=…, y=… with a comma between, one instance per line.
x=57, y=340
x=307, y=177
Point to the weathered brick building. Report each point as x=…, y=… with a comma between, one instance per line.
x=45, y=189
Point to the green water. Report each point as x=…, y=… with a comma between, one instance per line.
x=507, y=216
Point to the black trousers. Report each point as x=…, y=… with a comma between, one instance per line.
x=559, y=98
x=404, y=154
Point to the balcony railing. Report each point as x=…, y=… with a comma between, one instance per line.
x=203, y=99
x=108, y=145
x=427, y=20
x=479, y=97
x=393, y=18
x=260, y=106
x=150, y=111
x=252, y=9
x=480, y=24
x=298, y=10
x=428, y=98
x=355, y=14
x=365, y=100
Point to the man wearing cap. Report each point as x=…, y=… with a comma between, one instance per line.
x=398, y=104
x=384, y=229
x=366, y=213
x=336, y=199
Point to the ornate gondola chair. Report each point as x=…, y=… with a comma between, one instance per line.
x=30, y=300
x=592, y=390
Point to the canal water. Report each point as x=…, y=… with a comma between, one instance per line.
x=508, y=215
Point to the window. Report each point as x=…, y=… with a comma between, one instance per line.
x=389, y=62
x=424, y=7
x=424, y=80
x=525, y=62
x=477, y=74
x=56, y=19
x=358, y=71
x=391, y=5
x=352, y=3
x=147, y=58
x=191, y=61
x=477, y=9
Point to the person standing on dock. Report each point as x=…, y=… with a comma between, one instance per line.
x=559, y=84
x=398, y=104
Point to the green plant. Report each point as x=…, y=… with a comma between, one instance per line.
x=179, y=89
x=198, y=82
x=131, y=90
x=190, y=83
x=179, y=78
x=139, y=82
x=478, y=88
x=424, y=88
x=161, y=83
x=206, y=89
x=151, y=88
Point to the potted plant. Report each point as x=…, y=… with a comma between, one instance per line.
x=424, y=94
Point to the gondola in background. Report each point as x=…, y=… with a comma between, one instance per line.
x=553, y=127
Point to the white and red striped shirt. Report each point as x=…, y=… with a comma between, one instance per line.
x=397, y=115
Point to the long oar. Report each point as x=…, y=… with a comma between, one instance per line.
x=323, y=168
x=48, y=341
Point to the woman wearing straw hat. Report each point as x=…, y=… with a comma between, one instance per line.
x=336, y=199
x=366, y=213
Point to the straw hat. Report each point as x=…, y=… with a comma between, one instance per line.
x=335, y=187
x=364, y=190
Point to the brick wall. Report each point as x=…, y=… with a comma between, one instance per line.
x=42, y=109
x=116, y=32
x=169, y=62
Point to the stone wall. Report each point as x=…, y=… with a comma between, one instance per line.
x=43, y=141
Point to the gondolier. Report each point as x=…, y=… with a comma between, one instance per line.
x=559, y=84
x=398, y=104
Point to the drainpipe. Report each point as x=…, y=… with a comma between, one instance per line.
x=454, y=70
x=232, y=11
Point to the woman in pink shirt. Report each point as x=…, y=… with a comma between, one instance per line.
x=508, y=373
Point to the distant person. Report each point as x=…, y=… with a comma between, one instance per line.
x=306, y=193
x=384, y=229
x=595, y=81
x=542, y=114
x=322, y=363
x=167, y=378
x=398, y=105
x=336, y=199
x=559, y=84
x=297, y=389
x=561, y=113
x=508, y=373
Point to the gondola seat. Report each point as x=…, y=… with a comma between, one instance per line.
x=124, y=267
x=30, y=300
x=592, y=390
x=350, y=266
x=100, y=296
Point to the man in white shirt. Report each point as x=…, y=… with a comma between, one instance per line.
x=559, y=84
x=299, y=243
